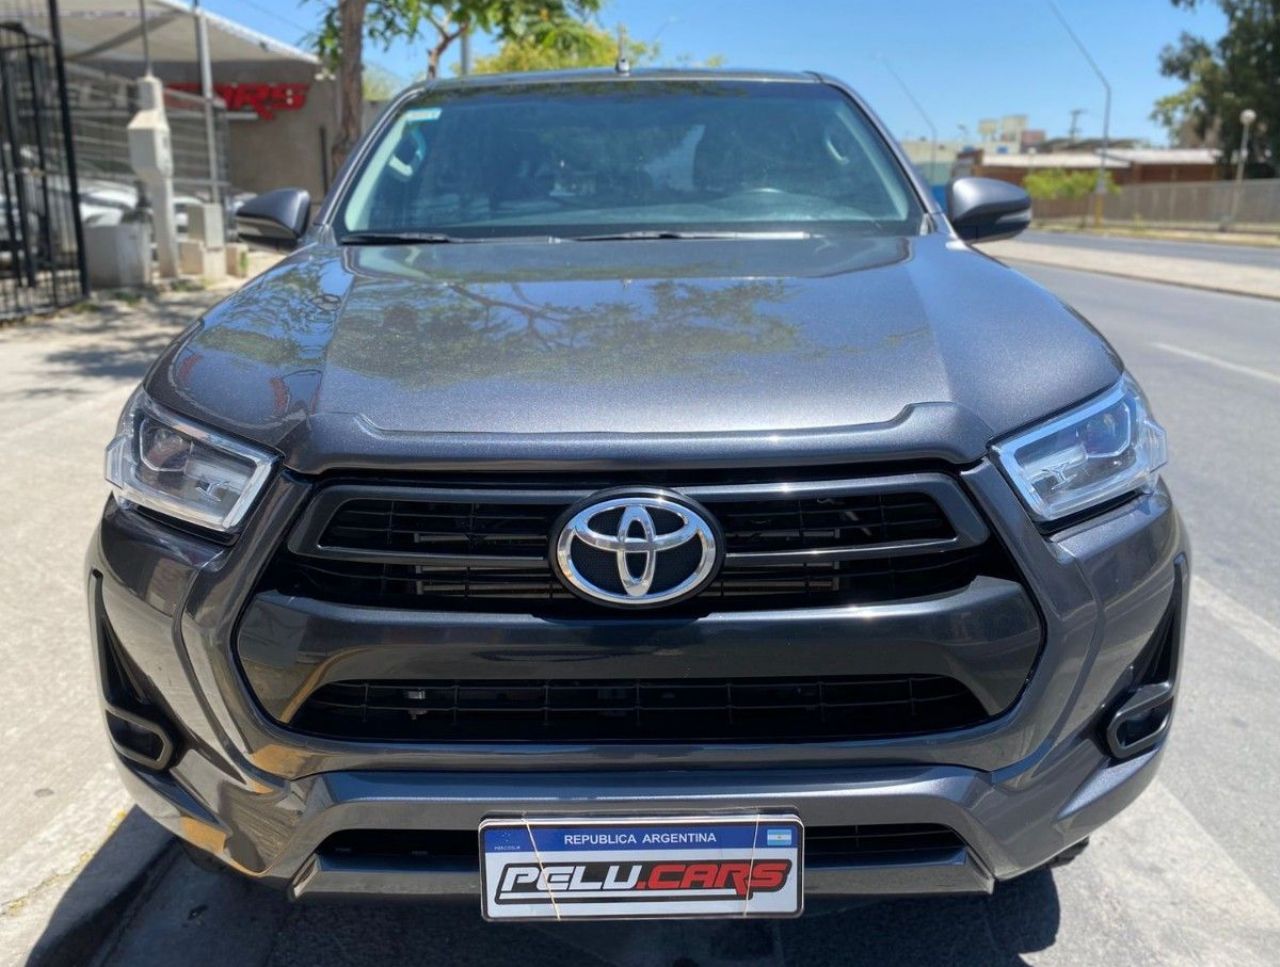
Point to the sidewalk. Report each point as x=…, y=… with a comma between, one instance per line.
x=1157, y=233
x=1198, y=274
x=63, y=380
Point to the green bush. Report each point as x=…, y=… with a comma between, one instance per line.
x=1060, y=183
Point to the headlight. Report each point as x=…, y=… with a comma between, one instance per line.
x=160, y=461
x=1105, y=449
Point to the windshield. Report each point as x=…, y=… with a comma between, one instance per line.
x=611, y=157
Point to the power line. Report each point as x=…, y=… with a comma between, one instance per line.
x=933, y=129
x=1101, y=186
x=274, y=14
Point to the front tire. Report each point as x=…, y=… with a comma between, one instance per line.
x=1067, y=855
x=202, y=860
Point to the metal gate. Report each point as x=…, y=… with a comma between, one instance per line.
x=102, y=105
x=41, y=240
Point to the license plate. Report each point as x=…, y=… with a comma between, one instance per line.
x=597, y=869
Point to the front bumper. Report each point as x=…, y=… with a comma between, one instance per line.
x=1010, y=824
x=1017, y=790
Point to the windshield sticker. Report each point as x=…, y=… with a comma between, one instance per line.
x=423, y=114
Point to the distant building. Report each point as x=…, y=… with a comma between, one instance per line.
x=1013, y=168
x=1031, y=139
x=933, y=160
x=279, y=107
x=1087, y=144
x=1150, y=165
x=1128, y=166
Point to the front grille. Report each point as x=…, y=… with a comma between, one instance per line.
x=536, y=589
x=848, y=845
x=435, y=526
x=824, y=846
x=483, y=548
x=615, y=710
x=477, y=528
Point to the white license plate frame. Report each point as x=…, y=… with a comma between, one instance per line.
x=645, y=867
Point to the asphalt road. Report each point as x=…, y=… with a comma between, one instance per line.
x=1261, y=256
x=1190, y=874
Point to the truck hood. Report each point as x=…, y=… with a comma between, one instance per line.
x=467, y=354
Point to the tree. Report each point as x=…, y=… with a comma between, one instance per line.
x=348, y=23
x=564, y=47
x=1240, y=70
x=380, y=84
x=341, y=45
x=575, y=44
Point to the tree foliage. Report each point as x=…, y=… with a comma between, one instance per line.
x=348, y=24
x=439, y=23
x=1240, y=70
x=1060, y=183
x=379, y=83
x=575, y=44
x=564, y=46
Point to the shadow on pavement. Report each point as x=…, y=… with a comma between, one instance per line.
x=101, y=893
x=1022, y=916
x=94, y=346
x=120, y=342
x=182, y=914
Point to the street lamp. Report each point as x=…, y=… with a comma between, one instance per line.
x=1247, y=117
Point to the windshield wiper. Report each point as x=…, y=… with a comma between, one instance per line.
x=434, y=238
x=665, y=233
x=400, y=238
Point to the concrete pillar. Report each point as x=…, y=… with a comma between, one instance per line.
x=152, y=159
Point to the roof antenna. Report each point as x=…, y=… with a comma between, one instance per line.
x=623, y=66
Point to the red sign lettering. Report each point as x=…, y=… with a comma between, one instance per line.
x=263, y=99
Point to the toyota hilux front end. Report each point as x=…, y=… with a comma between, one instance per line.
x=633, y=497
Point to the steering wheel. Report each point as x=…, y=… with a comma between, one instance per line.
x=830, y=135
x=402, y=168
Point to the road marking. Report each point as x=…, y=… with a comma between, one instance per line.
x=1220, y=363
x=1173, y=884
x=1241, y=619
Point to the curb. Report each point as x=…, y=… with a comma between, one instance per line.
x=1120, y=274
x=92, y=906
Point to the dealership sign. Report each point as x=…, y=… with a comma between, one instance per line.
x=263, y=99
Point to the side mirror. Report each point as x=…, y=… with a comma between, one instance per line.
x=984, y=209
x=274, y=220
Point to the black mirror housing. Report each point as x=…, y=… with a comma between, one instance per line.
x=275, y=220
x=985, y=209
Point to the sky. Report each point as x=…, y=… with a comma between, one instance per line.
x=962, y=61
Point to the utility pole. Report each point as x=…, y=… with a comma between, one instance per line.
x=1074, y=130
x=1100, y=188
x=206, y=94
x=465, y=42
x=146, y=41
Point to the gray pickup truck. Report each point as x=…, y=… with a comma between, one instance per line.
x=632, y=496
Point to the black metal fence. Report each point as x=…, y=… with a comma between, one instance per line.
x=41, y=240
